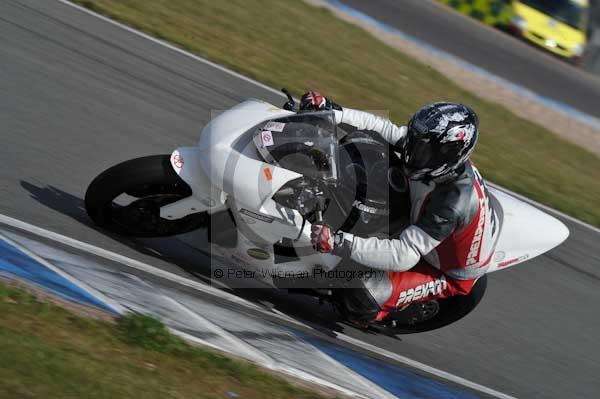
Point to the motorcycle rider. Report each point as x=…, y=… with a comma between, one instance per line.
x=453, y=228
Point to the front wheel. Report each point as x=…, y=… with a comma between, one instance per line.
x=126, y=199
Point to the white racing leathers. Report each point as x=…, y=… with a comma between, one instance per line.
x=366, y=121
x=453, y=227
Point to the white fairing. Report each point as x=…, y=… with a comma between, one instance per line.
x=526, y=232
x=222, y=142
x=205, y=197
x=224, y=164
x=224, y=170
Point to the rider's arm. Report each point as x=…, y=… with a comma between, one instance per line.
x=366, y=121
x=403, y=253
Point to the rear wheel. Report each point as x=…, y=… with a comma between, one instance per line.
x=431, y=315
x=126, y=199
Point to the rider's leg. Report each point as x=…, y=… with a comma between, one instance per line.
x=422, y=283
x=362, y=297
x=359, y=304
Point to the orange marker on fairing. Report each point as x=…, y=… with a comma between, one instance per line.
x=268, y=174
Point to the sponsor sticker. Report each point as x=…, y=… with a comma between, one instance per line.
x=257, y=216
x=268, y=174
x=177, y=161
x=421, y=291
x=370, y=209
x=267, y=138
x=274, y=126
x=474, y=251
x=258, y=253
x=510, y=262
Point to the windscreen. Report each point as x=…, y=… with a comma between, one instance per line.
x=571, y=12
x=304, y=143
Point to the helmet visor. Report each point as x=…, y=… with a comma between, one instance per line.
x=419, y=154
x=423, y=155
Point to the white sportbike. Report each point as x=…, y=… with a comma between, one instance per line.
x=260, y=176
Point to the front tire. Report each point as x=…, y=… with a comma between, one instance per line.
x=126, y=198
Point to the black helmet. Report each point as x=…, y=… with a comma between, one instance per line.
x=440, y=139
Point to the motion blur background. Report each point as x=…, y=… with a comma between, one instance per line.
x=500, y=13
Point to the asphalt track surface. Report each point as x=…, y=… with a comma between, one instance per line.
x=492, y=50
x=78, y=95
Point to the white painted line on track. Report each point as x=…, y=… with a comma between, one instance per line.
x=235, y=344
x=103, y=253
x=272, y=90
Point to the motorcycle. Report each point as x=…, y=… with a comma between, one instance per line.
x=261, y=175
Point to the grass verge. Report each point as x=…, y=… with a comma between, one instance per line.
x=290, y=43
x=49, y=352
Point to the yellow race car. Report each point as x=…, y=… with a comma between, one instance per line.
x=559, y=26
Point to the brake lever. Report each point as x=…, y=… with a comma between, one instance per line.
x=290, y=105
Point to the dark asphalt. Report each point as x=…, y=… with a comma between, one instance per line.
x=78, y=95
x=489, y=49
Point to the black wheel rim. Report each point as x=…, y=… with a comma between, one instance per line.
x=416, y=313
x=141, y=217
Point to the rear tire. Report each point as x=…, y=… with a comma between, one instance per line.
x=450, y=310
x=152, y=183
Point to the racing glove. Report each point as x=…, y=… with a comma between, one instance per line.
x=323, y=240
x=315, y=101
